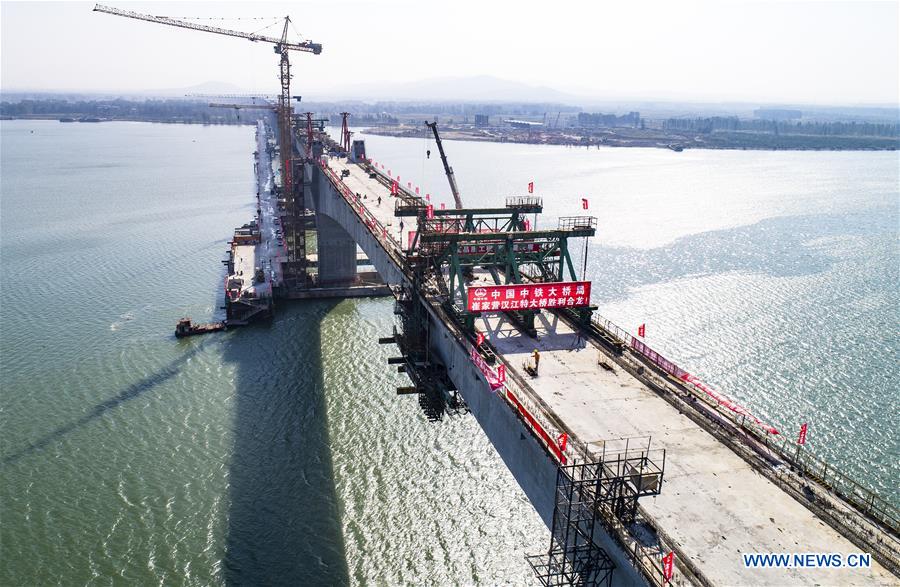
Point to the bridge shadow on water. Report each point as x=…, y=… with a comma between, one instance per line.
x=284, y=524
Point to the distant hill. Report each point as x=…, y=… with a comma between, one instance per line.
x=481, y=88
x=209, y=87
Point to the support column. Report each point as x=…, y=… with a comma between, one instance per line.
x=337, y=253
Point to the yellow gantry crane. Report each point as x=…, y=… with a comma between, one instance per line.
x=281, y=45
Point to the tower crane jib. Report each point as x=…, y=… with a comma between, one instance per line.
x=293, y=196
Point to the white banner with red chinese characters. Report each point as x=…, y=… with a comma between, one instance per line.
x=490, y=247
x=529, y=296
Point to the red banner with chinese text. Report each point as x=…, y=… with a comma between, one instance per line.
x=536, y=426
x=492, y=379
x=724, y=401
x=668, y=566
x=522, y=296
x=801, y=439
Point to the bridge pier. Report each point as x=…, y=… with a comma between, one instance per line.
x=337, y=253
x=336, y=263
x=528, y=461
x=328, y=203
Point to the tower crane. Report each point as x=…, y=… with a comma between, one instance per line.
x=447, y=169
x=296, y=253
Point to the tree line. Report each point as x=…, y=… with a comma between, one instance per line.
x=811, y=128
x=185, y=111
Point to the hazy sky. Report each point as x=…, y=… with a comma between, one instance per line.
x=821, y=52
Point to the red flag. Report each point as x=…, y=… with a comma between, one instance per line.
x=427, y=197
x=563, y=441
x=584, y=203
x=389, y=172
x=668, y=566
x=429, y=211
x=501, y=373
x=479, y=338
x=527, y=224
x=530, y=187
x=394, y=188
x=417, y=190
x=642, y=329
x=802, y=438
x=409, y=184
x=443, y=206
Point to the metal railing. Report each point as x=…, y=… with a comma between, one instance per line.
x=862, y=498
x=577, y=222
x=647, y=559
x=537, y=419
x=524, y=202
x=378, y=230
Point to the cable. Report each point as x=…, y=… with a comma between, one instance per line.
x=225, y=17
x=299, y=36
x=266, y=27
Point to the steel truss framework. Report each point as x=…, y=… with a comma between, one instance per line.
x=437, y=393
x=450, y=244
x=604, y=490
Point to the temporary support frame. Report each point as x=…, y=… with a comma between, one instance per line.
x=451, y=243
x=605, y=489
x=437, y=393
x=295, y=225
x=574, y=557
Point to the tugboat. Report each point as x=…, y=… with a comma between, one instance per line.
x=187, y=328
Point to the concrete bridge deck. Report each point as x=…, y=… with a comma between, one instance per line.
x=714, y=506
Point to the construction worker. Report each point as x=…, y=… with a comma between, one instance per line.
x=537, y=360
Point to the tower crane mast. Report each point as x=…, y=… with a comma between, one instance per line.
x=293, y=197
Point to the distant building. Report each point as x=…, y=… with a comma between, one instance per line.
x=482, y=120
x=777, y=114
x=526, y=124
x=632, y=119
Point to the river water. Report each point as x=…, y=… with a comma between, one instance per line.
x=280, y=454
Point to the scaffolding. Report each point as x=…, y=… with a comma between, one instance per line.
x=450, y=245
x=603, y=489
x=438, y=395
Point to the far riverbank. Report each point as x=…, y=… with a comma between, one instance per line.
x=655, y=138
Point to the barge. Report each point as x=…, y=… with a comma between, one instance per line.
x=186, y=328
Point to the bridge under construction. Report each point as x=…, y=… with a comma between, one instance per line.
x=643, y=474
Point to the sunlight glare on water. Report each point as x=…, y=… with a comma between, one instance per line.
x=281, y=451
